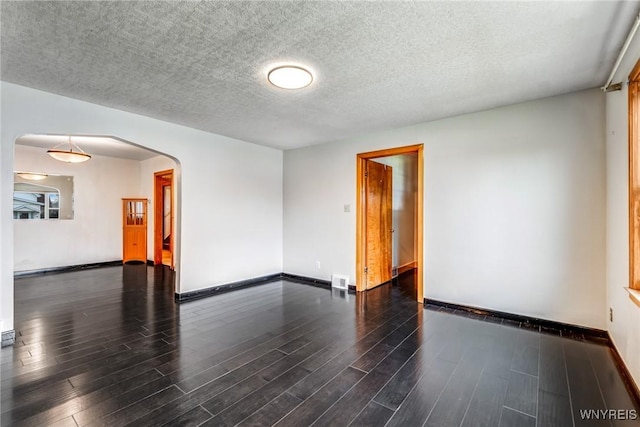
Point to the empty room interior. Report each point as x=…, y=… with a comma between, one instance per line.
x=320, y=213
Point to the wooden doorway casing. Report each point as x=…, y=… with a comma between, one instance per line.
x=361, y=231
x=161, y=180
x=634, y=177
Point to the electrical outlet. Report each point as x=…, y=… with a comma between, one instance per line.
x=610, y=314
x=347, y=208
x=317, y=265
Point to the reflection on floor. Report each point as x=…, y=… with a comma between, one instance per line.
x=111, y=347
x=166, y=257
x=406, y=283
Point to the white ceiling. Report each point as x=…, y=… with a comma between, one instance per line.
x=94, y=145
x=377, y=65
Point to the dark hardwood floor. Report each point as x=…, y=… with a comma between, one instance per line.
x=111, y=347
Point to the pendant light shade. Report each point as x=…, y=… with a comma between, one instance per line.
x=68, y=152
x=32, y=176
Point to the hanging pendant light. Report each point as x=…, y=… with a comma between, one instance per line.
x=72, y=153
x=32, y=176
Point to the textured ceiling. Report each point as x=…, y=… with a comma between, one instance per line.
x=377, y=65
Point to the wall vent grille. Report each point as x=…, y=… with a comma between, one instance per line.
x=339, y=281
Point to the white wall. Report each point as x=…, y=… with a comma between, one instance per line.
x=147, y=186
x=514, y=207
x=95, y=232
x=230, y=231
x=625, y=328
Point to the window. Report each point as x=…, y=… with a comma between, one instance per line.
x=54, y=205
x=634, y=178
x=28, y=205
x=46, y=197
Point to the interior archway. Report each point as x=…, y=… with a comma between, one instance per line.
x=118, y=169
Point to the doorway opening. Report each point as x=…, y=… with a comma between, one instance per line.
x=72, y=246
x=375, y=226
x=163, y=218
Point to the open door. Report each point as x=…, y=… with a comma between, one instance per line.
x=378, y=218
x=373, y=252
x=163, y=218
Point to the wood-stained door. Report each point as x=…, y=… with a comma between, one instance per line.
x=378, y=218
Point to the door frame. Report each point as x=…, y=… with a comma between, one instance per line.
x=633, y=172
x=158, y=207
x=361, y=231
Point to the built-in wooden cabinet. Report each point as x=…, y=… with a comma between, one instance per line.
x=134, y=230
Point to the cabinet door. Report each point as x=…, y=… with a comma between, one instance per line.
x=134, y=230
x=134, y=213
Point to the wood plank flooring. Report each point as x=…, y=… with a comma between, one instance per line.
x=110, y=347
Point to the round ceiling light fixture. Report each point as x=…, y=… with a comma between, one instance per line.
x=290, y=77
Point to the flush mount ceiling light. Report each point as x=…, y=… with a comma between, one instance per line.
x=290, y=77
x=72, y=153
x=32, y=176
